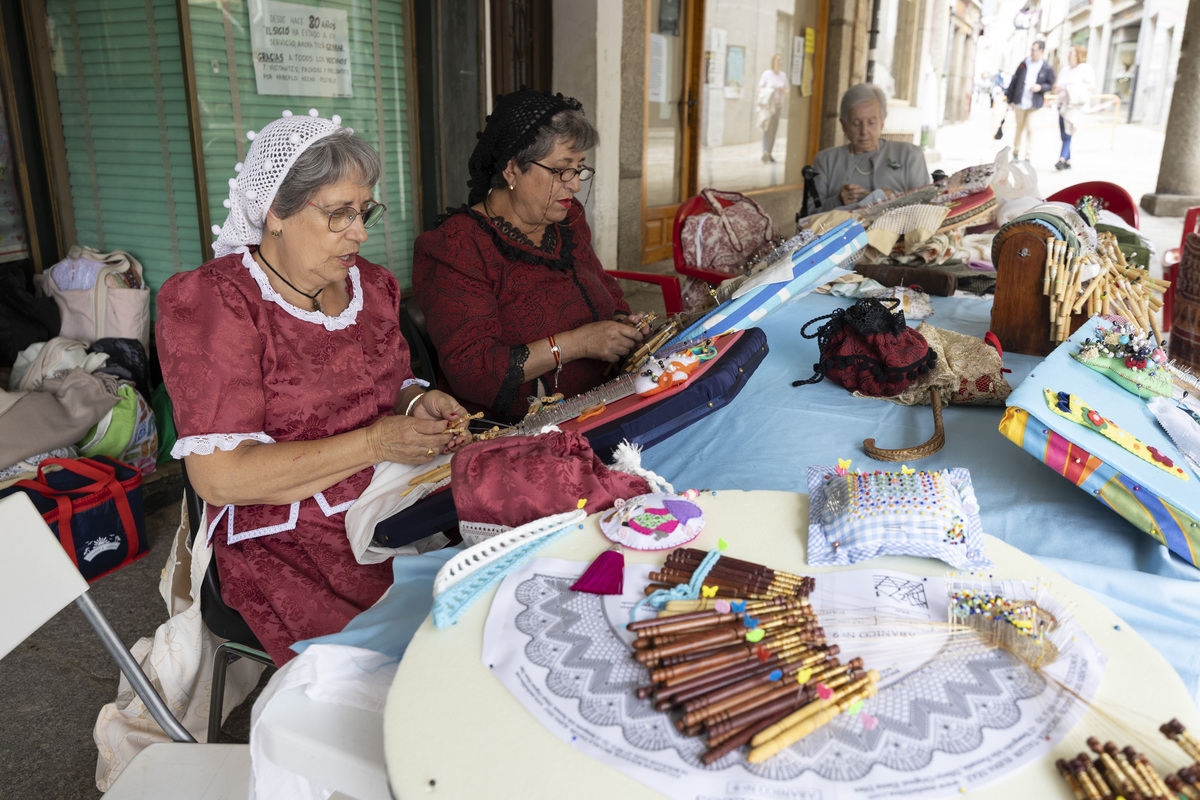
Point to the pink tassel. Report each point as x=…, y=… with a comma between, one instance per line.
x=605, y=575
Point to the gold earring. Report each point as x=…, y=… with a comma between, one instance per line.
x=277, y=234
x=510, y=187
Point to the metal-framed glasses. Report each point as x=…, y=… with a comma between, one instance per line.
x=568, y=174
x=342, y=218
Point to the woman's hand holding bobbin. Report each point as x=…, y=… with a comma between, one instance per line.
x=437, y=405
x=605, y=341
x=408, y=440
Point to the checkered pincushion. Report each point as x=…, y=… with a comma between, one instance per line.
x=855, y=516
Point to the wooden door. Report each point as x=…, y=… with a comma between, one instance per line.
x=672, y=129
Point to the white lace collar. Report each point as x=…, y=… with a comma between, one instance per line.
x=343, y=320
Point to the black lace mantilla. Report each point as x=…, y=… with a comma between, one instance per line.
x=514, y=244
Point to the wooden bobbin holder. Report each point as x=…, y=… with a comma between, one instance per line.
x=1020, y=311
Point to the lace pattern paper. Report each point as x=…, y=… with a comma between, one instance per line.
x=950, y=718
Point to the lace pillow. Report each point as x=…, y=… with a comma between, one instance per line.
x=854, y=516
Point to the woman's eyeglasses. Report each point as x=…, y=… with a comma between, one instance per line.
x=568, y=174
x=342, y=218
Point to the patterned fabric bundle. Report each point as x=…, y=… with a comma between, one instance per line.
x=511, y=127
x=510, y=481
x=868, y=348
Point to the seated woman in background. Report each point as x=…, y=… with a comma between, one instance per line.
x=515, y=298
x=847, y=174
x=290, y=381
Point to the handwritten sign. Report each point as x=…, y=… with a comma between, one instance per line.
x=300, y=50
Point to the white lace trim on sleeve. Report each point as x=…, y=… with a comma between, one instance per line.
x=207, y=443
x=413, y=382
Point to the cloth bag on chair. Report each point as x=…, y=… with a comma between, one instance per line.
x=504, y=483
x=728, y=234
x=101, y=295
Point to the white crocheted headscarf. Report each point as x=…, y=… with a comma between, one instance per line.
x=273, y=151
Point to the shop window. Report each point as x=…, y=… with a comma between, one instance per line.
x=756, y=95
x=255, y=59
x=119, y=81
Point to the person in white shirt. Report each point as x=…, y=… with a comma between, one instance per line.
x=772, y=87
x=1026, y=94
x=1074, y=87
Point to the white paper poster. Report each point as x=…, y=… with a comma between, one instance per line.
x=658, y=68
x=300, y=50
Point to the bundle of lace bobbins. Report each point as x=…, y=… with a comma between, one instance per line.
x=1102, y=283
x=1125, y=772
x=747, y=663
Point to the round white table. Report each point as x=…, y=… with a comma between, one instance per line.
x=452, y=730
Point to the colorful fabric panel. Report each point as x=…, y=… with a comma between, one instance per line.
x=1167, y=523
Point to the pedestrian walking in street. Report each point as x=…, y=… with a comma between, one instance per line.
x=772, y=86
x=1026, y=94
x=1074, y=88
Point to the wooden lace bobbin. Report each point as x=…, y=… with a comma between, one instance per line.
x=1130, y=772
x=1049, y=263
x=738, y=695
x=1069, y=777
x=753, y=719
x=1114, y=773
x=1085, y=783
x=846, y=680
x=648, y=627
x=1151, y=779
x=772, y=634
x=861, y=689
x=1175, y=731
x=739, y=739
x=1019, y=253
x=699, y=555
x=1179, y=788
x=688, y=559
x=1097, y=779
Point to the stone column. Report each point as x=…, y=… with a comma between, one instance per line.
x=1178, y=185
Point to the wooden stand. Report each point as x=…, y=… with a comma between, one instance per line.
x=1020, y=312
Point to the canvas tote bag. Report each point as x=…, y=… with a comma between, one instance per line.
x=116, y=305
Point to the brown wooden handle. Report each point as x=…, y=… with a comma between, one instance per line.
x=937, y=442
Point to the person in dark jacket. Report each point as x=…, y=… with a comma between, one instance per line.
x=1026, y=94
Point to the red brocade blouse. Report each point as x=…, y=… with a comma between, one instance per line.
x=487, y=291
x=240, y=363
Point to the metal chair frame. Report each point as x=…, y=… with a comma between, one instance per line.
x=219, y=618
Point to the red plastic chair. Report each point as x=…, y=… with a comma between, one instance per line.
x=695, y=205
x=1115, y=198
x=672, y=298
x=1171, y=258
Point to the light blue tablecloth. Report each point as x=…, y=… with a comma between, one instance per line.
x=769, y=435
x=772, y=431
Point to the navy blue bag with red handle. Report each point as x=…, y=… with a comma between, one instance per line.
x=94, y=507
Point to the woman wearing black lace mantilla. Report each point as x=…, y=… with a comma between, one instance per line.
x=513, y=293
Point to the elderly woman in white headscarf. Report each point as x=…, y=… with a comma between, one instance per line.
x=290, y=381
x=847, y=174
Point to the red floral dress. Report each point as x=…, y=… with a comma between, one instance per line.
x=241, y=363
x=487, y=291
